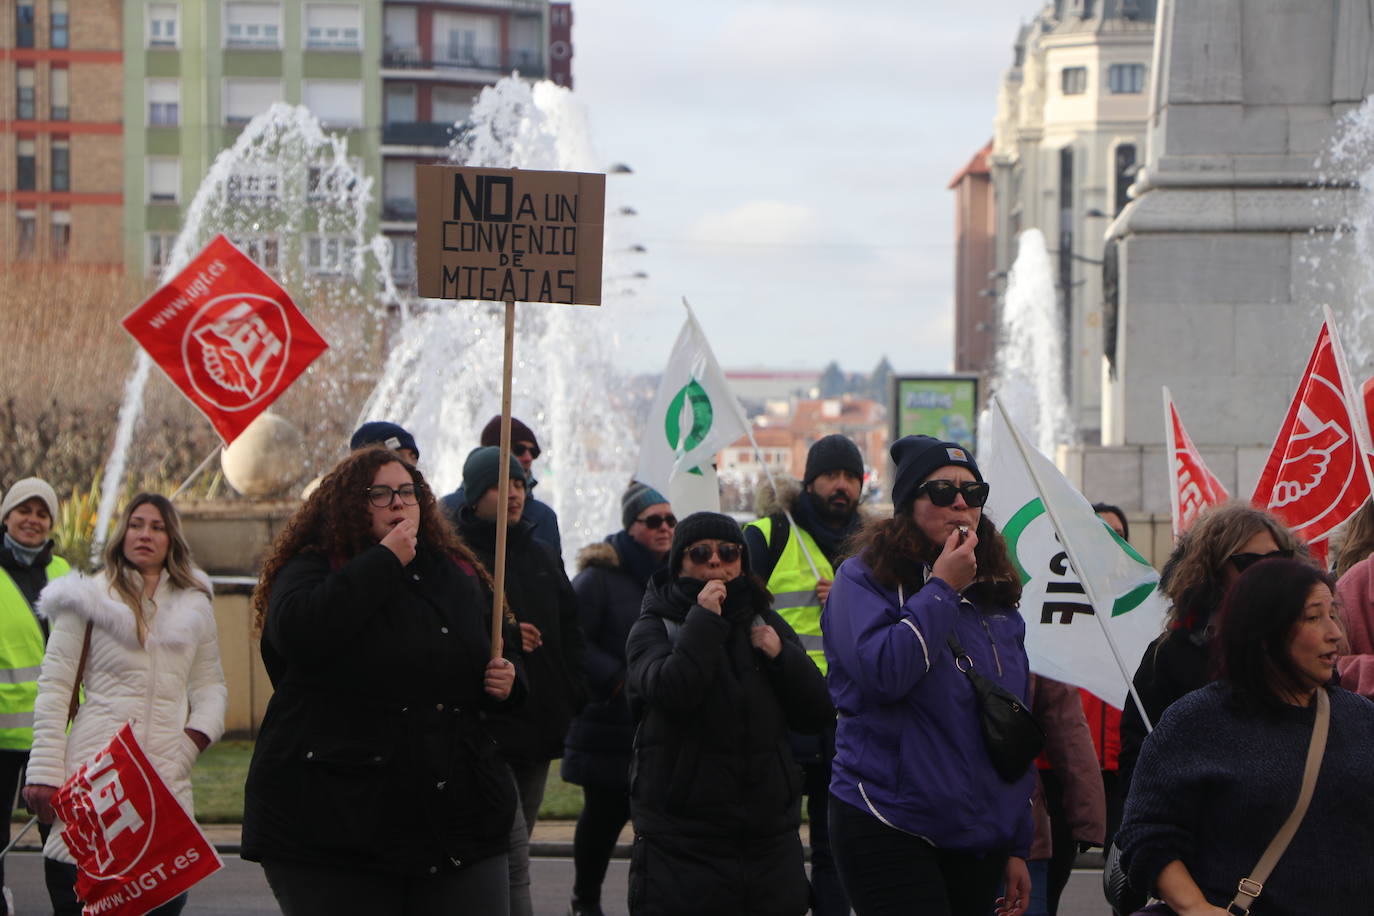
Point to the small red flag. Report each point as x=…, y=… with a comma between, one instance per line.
x=135, y=846
x=227, y=335
x=1192, y=487
x=1315, y=477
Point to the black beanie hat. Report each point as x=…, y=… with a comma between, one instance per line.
x=480, y=475
x=832, y=453
x=698, y=527
x=519, y=432
x=380, y=432
x=916, y=458
x=638, y=497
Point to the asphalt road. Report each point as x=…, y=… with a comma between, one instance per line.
x=239, y=889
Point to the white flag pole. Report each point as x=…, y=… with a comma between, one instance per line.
x=758, y=453
x=1171, y=456
x=1348, y=392
x=1099, y=607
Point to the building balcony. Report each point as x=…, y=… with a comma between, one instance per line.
x=419, y=133
x=450, y=59
x=398, y=210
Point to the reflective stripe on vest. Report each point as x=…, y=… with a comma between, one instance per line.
x=794, y=587
x=21, y=658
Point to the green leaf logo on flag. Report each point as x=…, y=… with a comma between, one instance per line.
x=1032, y=510
x=699, y=402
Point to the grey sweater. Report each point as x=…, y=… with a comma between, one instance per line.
x=1215, y=783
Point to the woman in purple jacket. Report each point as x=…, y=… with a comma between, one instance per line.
x=920, y=821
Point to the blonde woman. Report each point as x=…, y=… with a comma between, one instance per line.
x=153, y=659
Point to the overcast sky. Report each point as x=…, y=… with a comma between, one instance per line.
x=791, y=159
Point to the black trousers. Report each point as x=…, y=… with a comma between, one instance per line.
x=310, y=890
x=890, y=873
x=12, y=765
x=605, y=812
x=61, y=880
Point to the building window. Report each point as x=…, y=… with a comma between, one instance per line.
x=164, y=179
x=328, y=254
x=467, y=40
x=28, y=233
x=398, y=189
x=1126, y=79
x=244, y=98
x=560, y=14
x=398, y=105
x=162, y=25
x=252, y=25
x=61, y=164
x=61, y=234
x=159, y=250
x=26, y=174
x=261, y=248
x=23, y=24
x=327, y=183
x=25, y=108
x=451, y=104
x=257, y=185
x=333, y=26
x=59, y=93
x=1074, y=80
x=164, y=102
x=337, y=103
x=57, y=36
x=1124, y=170
x=403, y=259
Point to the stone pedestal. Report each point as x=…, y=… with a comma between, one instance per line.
x=1226, y=253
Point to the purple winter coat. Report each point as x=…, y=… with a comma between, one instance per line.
x=908, y=746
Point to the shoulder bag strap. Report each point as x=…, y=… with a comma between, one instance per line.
x=75, y=703
x=1250, y=888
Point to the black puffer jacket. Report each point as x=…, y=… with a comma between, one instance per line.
x=610, y=586
x=372, y=754
x=711, y=755
x=538, y=592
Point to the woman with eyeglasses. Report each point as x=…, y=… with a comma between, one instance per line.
x=374, y=786
x=1206, y=561
x=920, y=819
x=611, y=578
x=1222, y=770
x=716, y=679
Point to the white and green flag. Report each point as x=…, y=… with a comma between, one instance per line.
x=694, y=416
x=1091, y=602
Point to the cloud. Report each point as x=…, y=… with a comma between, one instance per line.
x=760, y=222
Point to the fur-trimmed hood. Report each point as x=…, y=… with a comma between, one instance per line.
x=767, y=501
x=600, y=555
x=181, y=619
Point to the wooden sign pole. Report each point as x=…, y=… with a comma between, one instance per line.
x=498, y=601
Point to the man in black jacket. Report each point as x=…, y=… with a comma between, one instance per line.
x=541, y=598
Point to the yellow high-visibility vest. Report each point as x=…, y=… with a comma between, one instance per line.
x=794, y=586
x=21, y=659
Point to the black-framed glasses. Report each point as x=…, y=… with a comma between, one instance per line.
x=520, y=449
x=942, y=492
x=701, y=553
x=381, y=495
x=1243, y=561
x=652, y=522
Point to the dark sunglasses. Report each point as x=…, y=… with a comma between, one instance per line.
x=520, y=449
x=701, y=553
x=1243, y=561
x=653, y=521
x=381, y=495
x=942, y=492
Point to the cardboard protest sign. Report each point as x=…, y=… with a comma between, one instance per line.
x=509, y=235
x=135, y=846
x=227, y=335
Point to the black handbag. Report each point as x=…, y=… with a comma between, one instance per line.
x=1013, y=738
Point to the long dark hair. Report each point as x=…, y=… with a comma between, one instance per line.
x=898, y=551
x=335, y=522
x=1255, y=628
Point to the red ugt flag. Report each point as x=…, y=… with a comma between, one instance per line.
x=1192, y=487
x=135, y=846
x=227, y=335
x=1315, y=477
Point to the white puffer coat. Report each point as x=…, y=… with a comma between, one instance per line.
x=171, y=683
